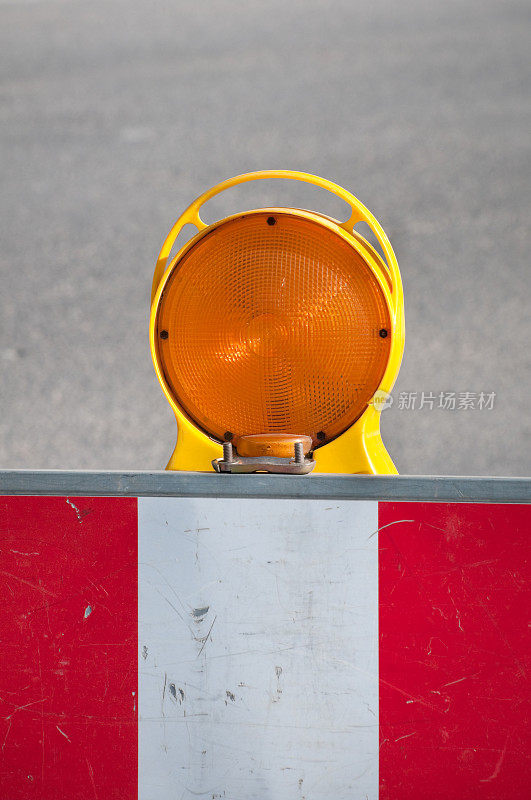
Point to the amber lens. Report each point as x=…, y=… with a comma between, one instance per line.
x=273, y=324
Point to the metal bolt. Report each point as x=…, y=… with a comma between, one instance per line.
x=164, y=334
x=271, y=221
x=383, y=333
x=299, y=453
x=227, y=452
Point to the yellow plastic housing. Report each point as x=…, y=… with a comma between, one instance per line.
x=355, y=296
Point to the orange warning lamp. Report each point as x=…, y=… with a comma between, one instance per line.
x=275, y=333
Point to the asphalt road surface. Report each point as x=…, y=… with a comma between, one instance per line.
x=117, y=113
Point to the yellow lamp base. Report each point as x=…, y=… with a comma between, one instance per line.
x=360, y=450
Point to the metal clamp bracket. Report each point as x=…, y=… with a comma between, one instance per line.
x=299, y=465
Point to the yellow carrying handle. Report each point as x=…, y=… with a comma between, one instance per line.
x=359, y=214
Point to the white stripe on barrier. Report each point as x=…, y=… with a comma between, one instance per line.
x=258, y=651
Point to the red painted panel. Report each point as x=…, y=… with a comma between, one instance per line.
x=68, y=660
x=454, y=690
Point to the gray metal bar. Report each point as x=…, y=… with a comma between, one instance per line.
x=198, y=484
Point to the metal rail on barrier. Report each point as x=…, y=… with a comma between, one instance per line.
x=195, y=484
